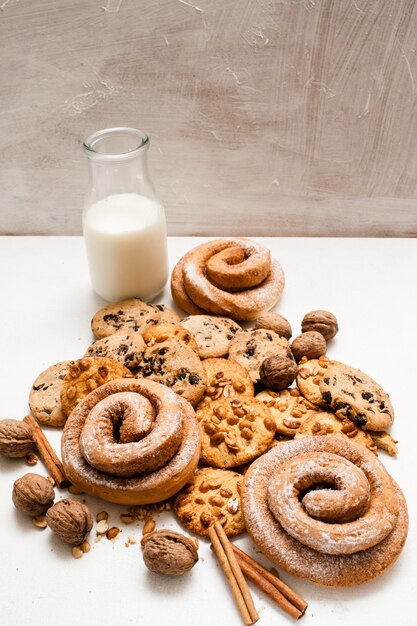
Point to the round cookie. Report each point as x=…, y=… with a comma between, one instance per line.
x=212, y=334
x=289, y=409
x=309, y=376
x=319, y=423
x=130, y=314
x=124, y=347
x=87, y=374
x=225, y=378
x=212, y=496
x=234, y=431
x=166, y=314
x=175, y=365
x=251, y=347
x=45, y=395
x=165, y=331
x=353, y=394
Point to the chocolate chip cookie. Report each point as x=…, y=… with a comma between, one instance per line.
x=353, y=394
x=124, y=347
x=45, y=395
x=212, y=334
x=175, y=365
x=234, y=431
x=166, y=314
x=310, y=372
x=251, y=347
x=130, y=314
x=87, y=374
x=212, y=496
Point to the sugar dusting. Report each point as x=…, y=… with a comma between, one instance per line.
x=301, y=560
x=245, y=304
x=145, y=487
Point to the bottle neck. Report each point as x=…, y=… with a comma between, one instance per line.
x=118, y=163
x=114, y=177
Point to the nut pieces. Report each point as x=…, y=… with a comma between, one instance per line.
x=275, y=322
x=168, y=552
x=15, y=438
x=70, y=520
x=310, y=344
x=33, y=494
x=322, y=322
x=278, y=372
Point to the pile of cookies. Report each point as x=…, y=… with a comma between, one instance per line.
x=239, y=383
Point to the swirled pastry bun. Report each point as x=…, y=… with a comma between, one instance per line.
x=131, y=442
x=235, y=278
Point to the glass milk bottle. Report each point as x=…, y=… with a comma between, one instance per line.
x=123, y=223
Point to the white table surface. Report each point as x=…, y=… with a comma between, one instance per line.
x=46, y=307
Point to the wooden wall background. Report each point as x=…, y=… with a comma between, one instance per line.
x=277, y=117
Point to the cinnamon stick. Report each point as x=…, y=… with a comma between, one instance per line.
x=237, y=572
x=49, y=457
x=234, y=587
x=285, y=596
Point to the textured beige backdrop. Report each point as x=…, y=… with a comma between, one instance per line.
x=266, y=117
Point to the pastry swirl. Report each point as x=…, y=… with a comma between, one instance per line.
x=231, y=277
x=132, y=442
x=326, y=510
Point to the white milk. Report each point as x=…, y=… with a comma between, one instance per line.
x=125, y=236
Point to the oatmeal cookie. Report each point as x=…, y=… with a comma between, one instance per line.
x=212, y=334
x=213, y=496
x=45, y=395
x=130, y=314
x=175, y=365
x=288, y=407
x=87, y=374
x=124, y=347
x=325, y=423
x=166, y=331
x=234, y=431
x=251, y=347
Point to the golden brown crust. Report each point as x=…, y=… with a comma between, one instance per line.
x=166, y=331
x=302, y=560
x=234, y=431
x=143, y=487
x=213, y=495
x=319, y=423
x=87, y=374
x=288, y=407
x=193, y=290
x=225, y=378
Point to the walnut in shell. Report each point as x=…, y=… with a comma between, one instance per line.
x=15, y=438
x=278, y=372
x=310, y=344
x=274, y=321
x=322, y=322
x=33, y=494
x=170, y=553
x=70, y=520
